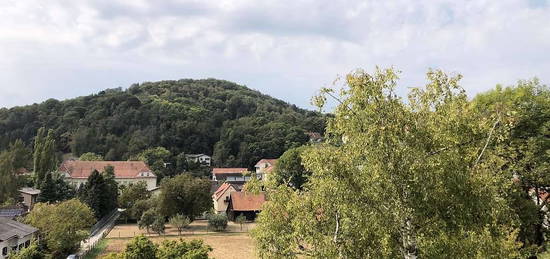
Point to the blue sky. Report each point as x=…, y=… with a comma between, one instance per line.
x=287, y=49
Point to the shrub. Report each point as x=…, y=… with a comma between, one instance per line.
x=217, y=222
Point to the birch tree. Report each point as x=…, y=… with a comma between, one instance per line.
x=397, y=178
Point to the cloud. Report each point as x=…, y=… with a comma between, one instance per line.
x=288, y=49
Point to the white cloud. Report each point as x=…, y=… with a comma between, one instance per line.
x=61, y=49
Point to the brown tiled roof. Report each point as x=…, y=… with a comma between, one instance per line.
x=269, y=161
x=224, y=187
x=123, y=169
x=228, y=170
x=241, y=201
x=22, y=171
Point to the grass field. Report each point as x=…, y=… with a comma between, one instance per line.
x=231, y=244
x=97, y=250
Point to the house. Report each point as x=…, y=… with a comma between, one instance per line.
x=126, y=172
x=221, y=197
x=29, y=196
x=14, y=236
x=264, y=168
x=246, y=204
x=201, y=159
x=231, y=175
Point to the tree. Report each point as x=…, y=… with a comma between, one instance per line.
x=180, y=222
x=525, y=152
x=129, y=197
x=147, y=219
x=62, y=225
x=47, y=189
x=158, y=225
x=241, y=219
x=409, y=179
x=184, y=194
x=143, y=205
x=289, y=169
x=218, y=222
x=8, y=188
x=90, y=156
x=31, y=252
x=44, y=158
x=22, y=155
x=99, y=193
x=158, y=159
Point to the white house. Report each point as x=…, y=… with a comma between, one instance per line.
x=126, y=172
x=199, y=158
x=264, y=168
x=221, y=197
x=231, y=175
x=14, y=236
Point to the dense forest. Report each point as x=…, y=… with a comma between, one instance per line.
x=236, y=125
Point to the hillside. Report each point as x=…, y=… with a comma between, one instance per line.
x=235, y=124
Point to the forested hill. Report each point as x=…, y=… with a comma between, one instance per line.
x=235, y=124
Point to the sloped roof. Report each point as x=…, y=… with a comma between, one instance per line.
x=22, y=171
x=229, y=170
x=11, y=228
x=123, y=169
x=12, y=212
x=241, y=201
x=221, y=190
x=29, y=190
x=271, y=161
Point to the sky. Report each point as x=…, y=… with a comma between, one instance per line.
x=287, y=49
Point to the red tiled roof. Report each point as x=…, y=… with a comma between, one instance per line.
x=221, y=190
x=123, y=169
x=228, y=170
x=269, y=161
x=241, y=201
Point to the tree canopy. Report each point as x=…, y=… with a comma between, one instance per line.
x=414, y=178
x=237, y=124
x=185, y=195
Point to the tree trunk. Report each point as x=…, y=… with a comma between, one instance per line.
x=408, y=239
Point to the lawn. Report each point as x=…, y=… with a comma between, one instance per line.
x=97, y=250
x=233, y=243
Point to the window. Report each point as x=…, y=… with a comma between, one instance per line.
x=28, y=243
x=5, y=251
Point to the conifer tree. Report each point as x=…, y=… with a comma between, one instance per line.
x=48, y=192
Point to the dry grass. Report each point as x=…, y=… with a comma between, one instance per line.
x=227, y=245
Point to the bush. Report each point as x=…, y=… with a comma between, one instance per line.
x=218, y=222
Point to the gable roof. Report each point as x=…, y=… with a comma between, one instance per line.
x=221, y=190
x=271, y=161
x=123, y=169
x=29, y=190
x=228, y=170
x=241, y=201
x=11, y=228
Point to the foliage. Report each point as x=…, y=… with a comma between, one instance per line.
x=158, y=225
x=148, y=219
x=130, y=196
x=44, y=157
x=90, y=156
x=397, y=178
x=8, y=188
x=62, y=225
x=143, y=205
x=31, y=252
x=158, y=159
x=208, y=116
x=217, y=222
x=186, y=195
x=525, y=152
x=172, y=249
x=54, y=188
x=180, y=222
x=241, y=219
x=142, y=248
x=100, y=192
x=289, y=169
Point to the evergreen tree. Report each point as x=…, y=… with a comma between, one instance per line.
x=96, y=194
x=8, y=180
x=44, y=155
x=111, y=188
x=48, y=192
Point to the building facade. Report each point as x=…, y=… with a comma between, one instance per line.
x=201, y=159
x=221, y=197
x=264, y=167
x=126, y=172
